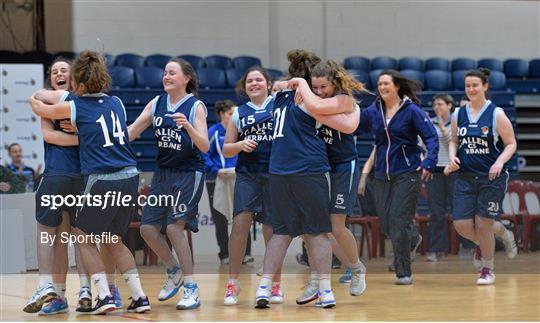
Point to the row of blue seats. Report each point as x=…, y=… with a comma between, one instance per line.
x=215, y=78
x=512, y=68
x=434, y=80
x=147, y=77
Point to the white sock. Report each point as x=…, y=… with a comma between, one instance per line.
x=44, y=280
x=266, y=281
x=131, y=277
x=358, y=267
x=111, y=278
x=100, y=281
x=60, y=289
x=324, y=283
x=314, y=278
x=488, y=264
x=499, y=230
x=233, y=281
x=84, y=280
x=188, y=279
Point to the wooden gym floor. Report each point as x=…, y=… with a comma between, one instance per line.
x=442, y=291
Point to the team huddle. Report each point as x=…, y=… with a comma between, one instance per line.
x=297, y=173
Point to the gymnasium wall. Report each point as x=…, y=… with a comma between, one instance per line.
x=335, y=29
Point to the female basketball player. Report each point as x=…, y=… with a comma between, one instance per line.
x=249, y=136
x=179, y=122
x=108, y=165
x=396, y=120
x=299, y=183
x=477, y=151
x=329, y=79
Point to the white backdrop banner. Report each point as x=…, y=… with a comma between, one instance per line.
x=17, y=121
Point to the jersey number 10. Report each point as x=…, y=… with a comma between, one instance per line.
x=116, y=131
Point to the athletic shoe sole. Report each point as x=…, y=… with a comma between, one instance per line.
x=307, y=300
x=262, y=303
x=140, y=309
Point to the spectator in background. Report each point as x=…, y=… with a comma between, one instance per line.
x=18, y=168
x=218, y=165
x=9, y=182
x=440, y=188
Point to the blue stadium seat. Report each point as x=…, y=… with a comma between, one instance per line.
x=133, y=112
x=384, y=63
x=411, y=63
x=211, y=78
x=157, y=60
x=274, y=74
x=122, y=77
x=463, y=64
x=66, y=54
x=497, y=81
x=129, y=60
x=458, y=79
x=357, y=63
x=492, y=64
x=218, y=61
x=362, y=76
x=233, y=75
x=438, y=80
x=242, y=63
x=374, y=78
x=109, y=60
x=414, y=75
x=516, y=68
x=534, y=68
x=148, y=77
x=437, y=63
x=194, y=60
x=9, y=56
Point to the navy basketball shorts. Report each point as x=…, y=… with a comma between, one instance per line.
x=252, y=194
x=477, y=195
x=57, y=185
x=185, y=187
x=344, y=179
x=300, y=204
x=110, y=215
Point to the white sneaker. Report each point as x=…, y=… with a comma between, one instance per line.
x=231, y=294
x=510, y=245
x=42, y=295
x=432, y=257
x=276, y=295
x=358, y=283
x=485, y=277
x=174, y=281
x=311, y=293
x=326, y=299
x=262, y=297
x=190, y=299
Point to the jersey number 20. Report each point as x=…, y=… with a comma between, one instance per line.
x=116, y=131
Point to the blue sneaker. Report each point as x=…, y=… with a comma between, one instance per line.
x=191, y=298
x=116, y=295
x=57, y=305
x=346, y=278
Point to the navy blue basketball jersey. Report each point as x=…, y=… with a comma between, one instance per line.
x=255, y=123
x=297, y=147
x=175, y=147
x=60, y=160
x=479, y=142
x=103, y=139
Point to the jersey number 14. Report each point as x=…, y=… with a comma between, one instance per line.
x=116, y=131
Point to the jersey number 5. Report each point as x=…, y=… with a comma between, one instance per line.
x=116, y=131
